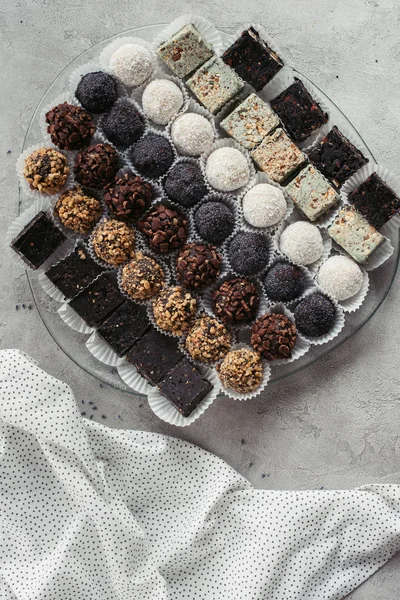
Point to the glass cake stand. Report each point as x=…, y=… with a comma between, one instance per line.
x=73, y=343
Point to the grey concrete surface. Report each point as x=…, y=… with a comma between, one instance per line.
x=335, y=424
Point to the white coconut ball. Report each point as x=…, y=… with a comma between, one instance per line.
x=161, y=100
x=227, y=169
x=302, y=243
x=264, y=205
x=131, y=63
x=340, y=277
x=192, y=134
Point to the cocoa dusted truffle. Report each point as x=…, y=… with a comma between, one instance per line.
x=236, y=301
x=214, y=221
x=46, y=170
x=165, y=229
x=97, y=92
x=70, y=127
x=113, y=242
x=142, y=277
x=208, y=340
x=77, y=211
x=123, y=125
x=96, y=166
x=152, y=155
x=273, y=336
x=198, y=265
x=185, y=184
x=284, y=282
x=248, y=252
x=174, y=309
x=128, y=196
x=315, y=315
x=241, y=370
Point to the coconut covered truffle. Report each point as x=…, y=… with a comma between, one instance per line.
x=302, y=243
x=248, y=253
x=97, y=92
x=161, y=100
x=142, y=277
x=340, y=277
x=128, y=196
x=274, y=336
x=123, y=125
x=46, y=170
x=315, y=315
x=208, y=340
x=241, y=370
x=264, y=205
x=131, y=63
x=236, y=301
x=198, y=265
x=214, y=221
x=185, y=184
x=96, y=166
x=192, y=134
x=113, y=242
x=152, y=155
x=284, y=282
x=70, y=127
x=165, y=229
x=227, y=169
x=77, y=211
x=174, y=309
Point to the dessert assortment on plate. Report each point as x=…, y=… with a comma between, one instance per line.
x=209, y=199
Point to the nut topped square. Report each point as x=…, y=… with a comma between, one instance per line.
x=278, y=156
x=185, y=51
x=311, y=193
x=351, y=231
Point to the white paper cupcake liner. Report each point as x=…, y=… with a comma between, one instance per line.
x=102, y=351
x=250, y=395
x=97, y=259
x=129, y=375
x=230, y=201
x=116, y=44
x=66, y=97
x=133, y=167
x=195, y=108
x=160, y=261
x=337, y=327
x=92, y=67
x=137, y=96
x=100, y=131
x=309, y=281
x=73, y=320
x=225, y=252
x=150, y=314
x=354, y=303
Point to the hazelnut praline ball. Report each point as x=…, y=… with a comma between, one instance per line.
x=132, y=65
x=174, y=309
x=77, y=211
x=315, y=315
x=340, y=277
x=248, y=253
x=241, y=370
x=46, y=170
x=264, y=205
x=302, y=243
x=113, y=242
x=97, y=92
x=142, y=277
x=185, y=184
x=227, y=169
x=208, y=340
x=214, y=221
x=161, y=100
x=192, y=134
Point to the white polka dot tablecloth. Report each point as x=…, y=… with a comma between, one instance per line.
x=92, y=513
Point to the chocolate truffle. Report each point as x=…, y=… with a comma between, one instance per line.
x=97, y=92
x=142, y=277
x=174, y=309
x=165, y=229
x=185, y=184
x=128, y=196
x=161, y=100
x=273, y=336
x=77, y=211
x=248, y=252
x=123, y=125
x=208, y=340
x=185, y=387
x=227, y=169
x=185, y=51
x=264, y=205
x=132, y=65
x=192, y=134
x=113, y=242
x=70, y=127
x=74, y=272
x=340, y=277
x=241, y=370
x=284, y=282
x=236, y=301
x=375, y=200
x=315, y=315
x=198, y=265
x=152, y=155
x=46, y=170
x=38, y=240
x=302, y=243
x=214, y=221
x=96, y=166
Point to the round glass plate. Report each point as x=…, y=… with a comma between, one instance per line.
x=73, y=343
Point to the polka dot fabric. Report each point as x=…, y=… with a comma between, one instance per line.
x=91, y=513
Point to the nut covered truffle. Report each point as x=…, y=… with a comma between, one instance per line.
x=46, y=170
x=113, y=242
x=208, y=340
x=241, y=370
x=128, y=197
x=77, y=211
x=96, y=166
x=274, y=336
x=70, y=127
x=142, y=277
x=198, y=265
x=173, y=310
x=236, y=301
x=164, y=228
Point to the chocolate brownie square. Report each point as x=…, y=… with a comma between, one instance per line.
x=375, y=200
x=353, y=233
x=38, y=240
x=125, y=326
x=95, y=303
x=253, y=60
x=185, y=387
x=336, y=157
x=298, y=111
x=72, y=274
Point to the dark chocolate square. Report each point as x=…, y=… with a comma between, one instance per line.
x=375, y=200
x=72, y=274
x=336, y=157
x=38, y=240
x=125, y=326
x=252, y=59
x=185, y=387
x=298, y=111
x=154, y=354
x=95, y=303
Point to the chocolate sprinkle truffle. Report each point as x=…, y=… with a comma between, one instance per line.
x=77, y=211
x=165, y=229
x=113, y=242
x=315, y=315
x=236, y=301
x=302, y=243
x=173, y=310
x=284, y=282
x=227, y=169
x=214, y=221
x=340, y=277
x=273, y=336
x=192, y=134
x=123, y=125
x=198, y=265
x=142, y=277
x=161, y=100
x=132, y=65
x=185, y=184
x=46, y=170
x=128, y=197
x=70, y=127
x=241, y=370
x=152, y=155
x=248, y=253
x=208, y=340
x=96, y=166
x=97, y=92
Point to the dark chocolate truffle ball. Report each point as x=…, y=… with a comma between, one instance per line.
x=70, y=127
x=248, y=253
x=97, y=92
x=96, y=166
x=185, y=184
x=273, y=336
x=214, y=221
x=128, y=197
x=123, y=125
x=315, y=315
x=284, y=282
x=198, y=265
x=164, y=228
x=236, y=301
x=152, y=155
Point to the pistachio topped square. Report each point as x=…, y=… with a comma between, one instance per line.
x=278, y=156
x=250, y=122
x=185, y=51
x=351, y=231
x=311, y=193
